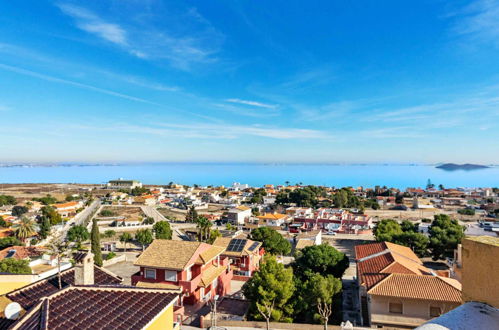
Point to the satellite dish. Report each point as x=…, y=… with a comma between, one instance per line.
x=13, y=311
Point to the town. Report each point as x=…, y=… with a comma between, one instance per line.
x=292, y=256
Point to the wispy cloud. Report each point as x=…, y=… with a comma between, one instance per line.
x=199, y=44
x=91, y=23
x=42, y=76
x=209, y=131
x=479, y=21
x=252, y=103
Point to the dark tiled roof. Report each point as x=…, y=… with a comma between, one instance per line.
x=99, y=308
x=30, y=295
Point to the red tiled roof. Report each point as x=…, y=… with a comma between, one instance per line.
x=365, y=250
x=98, y=308
x=21, y=252
x=371, y=280
x=375, y=264
x=422, y=287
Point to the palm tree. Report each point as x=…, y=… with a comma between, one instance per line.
x=203, y=226
x=125, y=238
x=59, y=248
x=25, y=228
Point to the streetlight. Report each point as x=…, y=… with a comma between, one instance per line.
x=214, y=312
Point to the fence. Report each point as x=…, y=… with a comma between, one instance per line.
x=115, y=260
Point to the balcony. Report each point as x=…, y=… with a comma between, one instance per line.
x=397, y=319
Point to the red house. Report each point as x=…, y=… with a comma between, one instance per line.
x=244, y=255
x=198, y=269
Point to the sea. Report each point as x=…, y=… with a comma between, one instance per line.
x=333, y=175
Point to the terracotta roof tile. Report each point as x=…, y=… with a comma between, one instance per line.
x=424, y=287
x=209, y=275
x=369, y=280
x=365, y=250
x=169, y=254
x=21, y=252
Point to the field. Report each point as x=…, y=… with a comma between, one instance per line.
x=130, y=213
x=28, y=191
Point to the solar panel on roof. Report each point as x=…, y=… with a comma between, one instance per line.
x=236, y=245
x=253, y=246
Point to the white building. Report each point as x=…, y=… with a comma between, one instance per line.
x=239, y=215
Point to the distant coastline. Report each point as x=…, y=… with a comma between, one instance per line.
x=446, y=166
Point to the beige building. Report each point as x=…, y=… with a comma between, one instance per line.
x=480, y=269
x=397, y=290
x=408, y=300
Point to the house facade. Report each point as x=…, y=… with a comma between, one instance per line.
x=244, y=255
x=397, y=290
x=68, y=209
x=198, y=269
x=239, y=215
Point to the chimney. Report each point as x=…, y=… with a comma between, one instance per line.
x=84, y=268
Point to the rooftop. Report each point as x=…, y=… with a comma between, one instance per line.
x=176, y=255
x=98, y=308
x=423, y=287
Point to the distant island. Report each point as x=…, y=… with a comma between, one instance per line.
x=465, y=167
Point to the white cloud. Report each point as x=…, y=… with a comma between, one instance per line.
x=4, y=108
x=252, y=103
x=196, y=41
x=91, y=23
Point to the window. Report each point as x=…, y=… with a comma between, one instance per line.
x=150, y=273
x=214, y=284
x=201, y=293
x=395, y=308
x=435, y=311
x=189, y=273
x=171, y=275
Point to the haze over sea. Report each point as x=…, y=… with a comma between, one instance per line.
x=399, y=176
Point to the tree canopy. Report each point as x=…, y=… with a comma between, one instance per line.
x=322, y=259
x=406, y=234
x=78, y=234
x=144, y=237
x=272, y=241
x=51, y=213
x=7, y=200
x=14, y=266
x=162, y=230
x=445, y=235
x=306, y=196
x=46, y=200
x=192, y=214
x=19, y=210
x=269, y=291
x=8, y=242
x=95, y=238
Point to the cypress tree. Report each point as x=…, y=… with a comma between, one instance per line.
x=96, y=244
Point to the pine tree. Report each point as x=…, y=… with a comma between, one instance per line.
x=95, y=237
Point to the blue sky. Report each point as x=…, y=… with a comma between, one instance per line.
x=258, y=81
